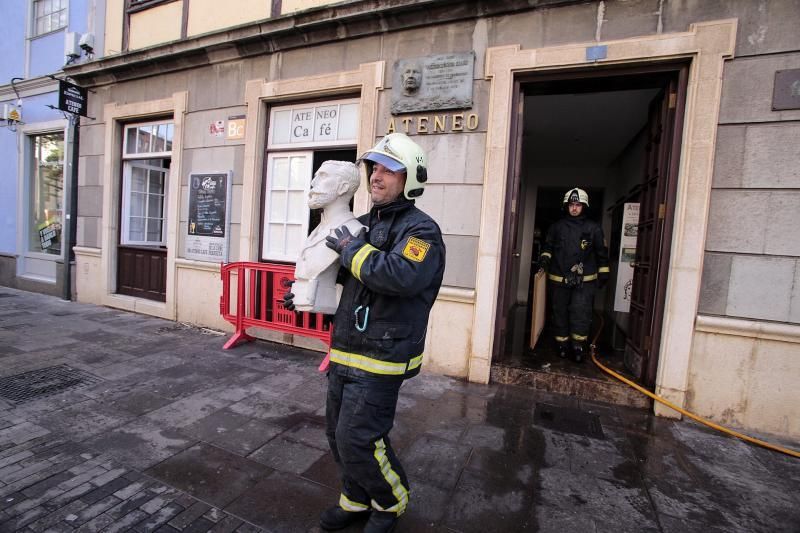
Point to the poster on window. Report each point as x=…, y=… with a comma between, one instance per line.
x=209, y=218
x=627, y=254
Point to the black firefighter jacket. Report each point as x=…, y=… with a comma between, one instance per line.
x=389, y=285
x=574, y=240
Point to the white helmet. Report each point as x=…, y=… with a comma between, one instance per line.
x=576, y=195
x=398, y=152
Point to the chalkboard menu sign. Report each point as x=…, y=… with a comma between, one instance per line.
x=207, y=229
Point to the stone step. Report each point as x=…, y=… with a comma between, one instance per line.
x=551, y=374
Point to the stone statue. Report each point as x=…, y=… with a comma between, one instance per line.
x=333, y=186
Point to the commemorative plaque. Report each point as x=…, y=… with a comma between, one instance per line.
x=441, y=81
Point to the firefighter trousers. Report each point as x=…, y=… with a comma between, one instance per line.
x=572, y=311
x=359, y=415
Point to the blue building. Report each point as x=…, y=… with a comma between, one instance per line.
x=39, y=38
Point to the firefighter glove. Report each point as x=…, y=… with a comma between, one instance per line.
x=602, y=279
x=342, y=239
x=288, y=298
x=544, y=262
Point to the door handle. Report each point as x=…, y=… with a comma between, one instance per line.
x=516, y=254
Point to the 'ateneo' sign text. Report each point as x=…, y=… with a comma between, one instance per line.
x=443, y=123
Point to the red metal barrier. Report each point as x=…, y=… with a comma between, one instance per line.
x=259, y=292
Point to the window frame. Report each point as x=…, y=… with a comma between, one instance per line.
x=291, y=257
x=127, y=180
x=129, y=161
x=33, y=26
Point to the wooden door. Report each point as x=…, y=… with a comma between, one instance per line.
x=142, y=272
x=510, y=248
x=656, y=200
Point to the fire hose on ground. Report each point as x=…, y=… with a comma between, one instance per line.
x=684, y=412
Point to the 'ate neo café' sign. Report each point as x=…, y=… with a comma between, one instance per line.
x=72, y=98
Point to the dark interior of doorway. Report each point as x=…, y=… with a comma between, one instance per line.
x=582, y=132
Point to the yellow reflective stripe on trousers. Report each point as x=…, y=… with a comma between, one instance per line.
x=376, y=366
x=349, y=505
x=603, y=269
x=391, y=477
x=561, y=339
x=359, y=258
x=579, y=337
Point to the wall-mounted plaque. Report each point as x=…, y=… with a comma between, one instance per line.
x=786, y=92
x=442, y=81
x=207, y=231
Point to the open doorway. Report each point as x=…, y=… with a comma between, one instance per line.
x=617, y=136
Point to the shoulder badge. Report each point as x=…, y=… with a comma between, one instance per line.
x=416, y=249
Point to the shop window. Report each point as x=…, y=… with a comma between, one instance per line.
x=45, y=193
x=146, y=155
x=49, y=15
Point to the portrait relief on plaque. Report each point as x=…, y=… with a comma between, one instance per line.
x=441, y=81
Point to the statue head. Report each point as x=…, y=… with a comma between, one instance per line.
x=411, y=79
x=333, y=180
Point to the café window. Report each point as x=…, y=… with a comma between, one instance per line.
x=46, y=193
x=294, y=132
x=146, y=162
x=49, y=15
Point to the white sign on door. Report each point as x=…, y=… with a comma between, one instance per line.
x=627, y=254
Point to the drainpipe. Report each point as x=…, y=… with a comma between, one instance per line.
x=70, y=232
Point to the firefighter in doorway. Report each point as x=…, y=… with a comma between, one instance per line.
x=576, y=261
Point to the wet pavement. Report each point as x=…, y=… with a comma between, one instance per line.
x=151, y=426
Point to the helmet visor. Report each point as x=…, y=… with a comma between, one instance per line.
x=392, y=164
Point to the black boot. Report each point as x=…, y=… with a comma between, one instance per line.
x=578, y=352
x=337, y=518
x=381, y=522
x=563, y=350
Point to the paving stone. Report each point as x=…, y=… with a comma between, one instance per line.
x=57, y=516
x=201, y=525
x=141, y=443
x=129, y=504
x=159, y=517
x=94, y=509
x=105, y=490
x=247, y=438
x=436, y=460
x=96, y=524
x=295, y=503
x=190, y=515
x=125, y=523
x=287, y=455
x=226, y=525
x=210, y=474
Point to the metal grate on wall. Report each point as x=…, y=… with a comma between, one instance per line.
x=36, y=384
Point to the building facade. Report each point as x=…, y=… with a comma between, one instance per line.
x=686, y=112
x=42, y=35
